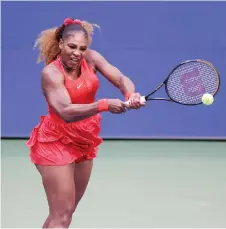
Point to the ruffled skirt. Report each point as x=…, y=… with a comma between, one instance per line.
x=55, y=143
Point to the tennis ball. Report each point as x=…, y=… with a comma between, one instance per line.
x=207, y=99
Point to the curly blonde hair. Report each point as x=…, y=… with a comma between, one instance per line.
x=48, y=40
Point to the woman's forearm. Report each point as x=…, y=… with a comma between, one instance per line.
x=126, y=86
x=78, y=112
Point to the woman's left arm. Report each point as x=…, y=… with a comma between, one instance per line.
x=116, y=77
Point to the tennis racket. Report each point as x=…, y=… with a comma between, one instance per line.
x=187, y=83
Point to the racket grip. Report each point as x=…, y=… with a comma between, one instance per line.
x=142, y=100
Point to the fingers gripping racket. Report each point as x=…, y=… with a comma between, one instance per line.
x=187, y=83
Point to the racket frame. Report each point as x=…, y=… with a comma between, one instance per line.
x=147, y=97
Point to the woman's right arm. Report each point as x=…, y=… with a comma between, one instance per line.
x=59, y=99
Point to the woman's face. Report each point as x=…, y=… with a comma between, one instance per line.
x=73, y=48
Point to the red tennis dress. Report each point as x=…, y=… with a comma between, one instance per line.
x=55, y=142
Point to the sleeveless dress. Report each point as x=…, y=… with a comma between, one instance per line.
x=55, y=142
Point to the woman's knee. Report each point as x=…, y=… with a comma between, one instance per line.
x=64, y=214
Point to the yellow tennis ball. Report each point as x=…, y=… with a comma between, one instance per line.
x=207, y=99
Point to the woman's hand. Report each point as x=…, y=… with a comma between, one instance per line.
x=135, y=101
x=116, y=106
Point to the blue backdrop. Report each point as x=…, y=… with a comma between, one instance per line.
x=145, y=40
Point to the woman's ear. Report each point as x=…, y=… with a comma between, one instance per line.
x=61, y=44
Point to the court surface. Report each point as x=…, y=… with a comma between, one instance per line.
x=134, y=184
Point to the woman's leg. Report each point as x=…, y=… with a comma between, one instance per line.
x=58, y=182
x=82, y=172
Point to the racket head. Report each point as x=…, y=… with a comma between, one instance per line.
x=190, y=80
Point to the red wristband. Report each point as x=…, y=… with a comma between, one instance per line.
x=103, y=105
x=127, y=95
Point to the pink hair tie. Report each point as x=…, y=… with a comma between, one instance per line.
x=69, y=21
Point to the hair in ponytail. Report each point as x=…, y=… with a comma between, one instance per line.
x=48, y=40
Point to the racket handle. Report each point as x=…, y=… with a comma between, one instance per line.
x=142, y=100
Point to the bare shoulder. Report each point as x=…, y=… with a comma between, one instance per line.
x=95, y=58
x=51, y=75
x=92, y=55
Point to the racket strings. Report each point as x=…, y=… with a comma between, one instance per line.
x=190, y=81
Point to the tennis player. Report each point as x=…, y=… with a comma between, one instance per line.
x=65, y=142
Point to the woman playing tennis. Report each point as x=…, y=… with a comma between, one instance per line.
x=65, y=142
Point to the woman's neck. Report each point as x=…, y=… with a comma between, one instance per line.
x=72, y=73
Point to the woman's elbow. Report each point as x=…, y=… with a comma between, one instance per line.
x=66, y=116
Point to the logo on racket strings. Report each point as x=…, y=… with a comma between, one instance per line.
x=192, y=83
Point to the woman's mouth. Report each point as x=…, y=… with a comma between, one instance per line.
x=75, y=60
